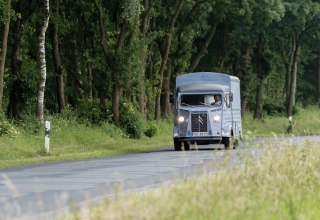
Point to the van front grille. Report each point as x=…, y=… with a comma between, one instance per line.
x=199, y=122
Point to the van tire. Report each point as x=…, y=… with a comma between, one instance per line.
x=236, y=144
x=177, y=145
x=186, y=146
x=228, y=143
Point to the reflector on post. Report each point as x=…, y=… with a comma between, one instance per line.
x=47, y=136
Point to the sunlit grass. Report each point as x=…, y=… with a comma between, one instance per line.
x=283, y=184
x=73, y=141
x=306, y=122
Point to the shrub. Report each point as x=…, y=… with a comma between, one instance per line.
x=30, y=124
x=6, y=128
x=151, y=130
x=131, y=120
x=89, y=111
x=274, y=108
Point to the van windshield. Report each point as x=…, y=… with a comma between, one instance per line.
x=201, y=100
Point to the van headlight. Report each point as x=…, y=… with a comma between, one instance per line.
x=216, y=118
x=180, y=119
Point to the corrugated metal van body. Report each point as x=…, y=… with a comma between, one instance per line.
x=202, y=122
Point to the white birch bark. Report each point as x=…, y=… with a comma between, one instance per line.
x=42, y=61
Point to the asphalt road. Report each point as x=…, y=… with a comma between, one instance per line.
x=44, y=191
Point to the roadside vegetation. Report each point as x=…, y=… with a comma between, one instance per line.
x=306, y=121
x=76, y=137
x=283, y=184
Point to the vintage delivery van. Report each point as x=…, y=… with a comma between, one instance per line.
x=207, y=110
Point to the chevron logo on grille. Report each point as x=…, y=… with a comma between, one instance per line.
x=200, y=120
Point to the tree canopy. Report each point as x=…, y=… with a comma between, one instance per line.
x=103, y=54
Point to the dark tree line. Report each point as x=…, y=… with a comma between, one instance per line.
x=104, y=53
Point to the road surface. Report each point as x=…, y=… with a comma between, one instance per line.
x=44, y=191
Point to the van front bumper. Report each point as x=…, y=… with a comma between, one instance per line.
x=201, y=140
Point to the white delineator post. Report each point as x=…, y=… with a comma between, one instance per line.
x=47, y=136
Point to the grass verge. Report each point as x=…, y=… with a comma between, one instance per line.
x=71, y=140
x=283, y=184
x=306, y=122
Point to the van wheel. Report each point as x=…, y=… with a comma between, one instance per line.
x=236, y=144
x=177, y=145
x=228, y=142
x=186, y=145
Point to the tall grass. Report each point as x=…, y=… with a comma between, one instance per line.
x=283, y=184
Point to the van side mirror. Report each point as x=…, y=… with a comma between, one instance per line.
x=171, y=98
x=231, y=97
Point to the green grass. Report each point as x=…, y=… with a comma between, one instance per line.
x=71, y=140
x=306, y=122
x=284, y=184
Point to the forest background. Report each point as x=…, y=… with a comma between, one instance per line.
x=116, y=61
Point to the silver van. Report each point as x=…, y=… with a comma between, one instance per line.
x=207, y=110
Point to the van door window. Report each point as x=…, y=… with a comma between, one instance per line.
x=226, y=101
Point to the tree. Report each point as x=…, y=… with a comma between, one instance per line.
x=20, y=24
x=300, y=21
x=57, y=62
x=165, y=55
x=124, y=23
x=4, y=49
x=42, y=60
x=319, y=79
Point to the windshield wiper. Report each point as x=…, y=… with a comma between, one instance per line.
x=206, y=104
x=186, y=104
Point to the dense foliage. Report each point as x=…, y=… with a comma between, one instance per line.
x=116, y=61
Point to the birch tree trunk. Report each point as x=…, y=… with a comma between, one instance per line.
x=42, y=61
x=4, y=52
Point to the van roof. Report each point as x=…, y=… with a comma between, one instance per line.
x=204, y=81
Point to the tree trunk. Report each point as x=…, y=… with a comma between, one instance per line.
x=293, y=83
x=260, y=88
x=58, y=68
x=4, y=52
x=244, y=103
x=165, y=58
x=223, y=48
x=113, y=60
x=97, y=83
x=319, y=79
x=290, y=68
x=116, y=93
x=259, y=100
x=149, y=76
x=42, y=61
x=165, y=99
x=203, y=50
x=246, y=77
x=148, y=5
x=76, y=67
x=15, y=97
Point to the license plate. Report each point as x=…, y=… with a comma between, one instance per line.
x=200, y=133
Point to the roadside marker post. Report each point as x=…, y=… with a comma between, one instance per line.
x=47, y=136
